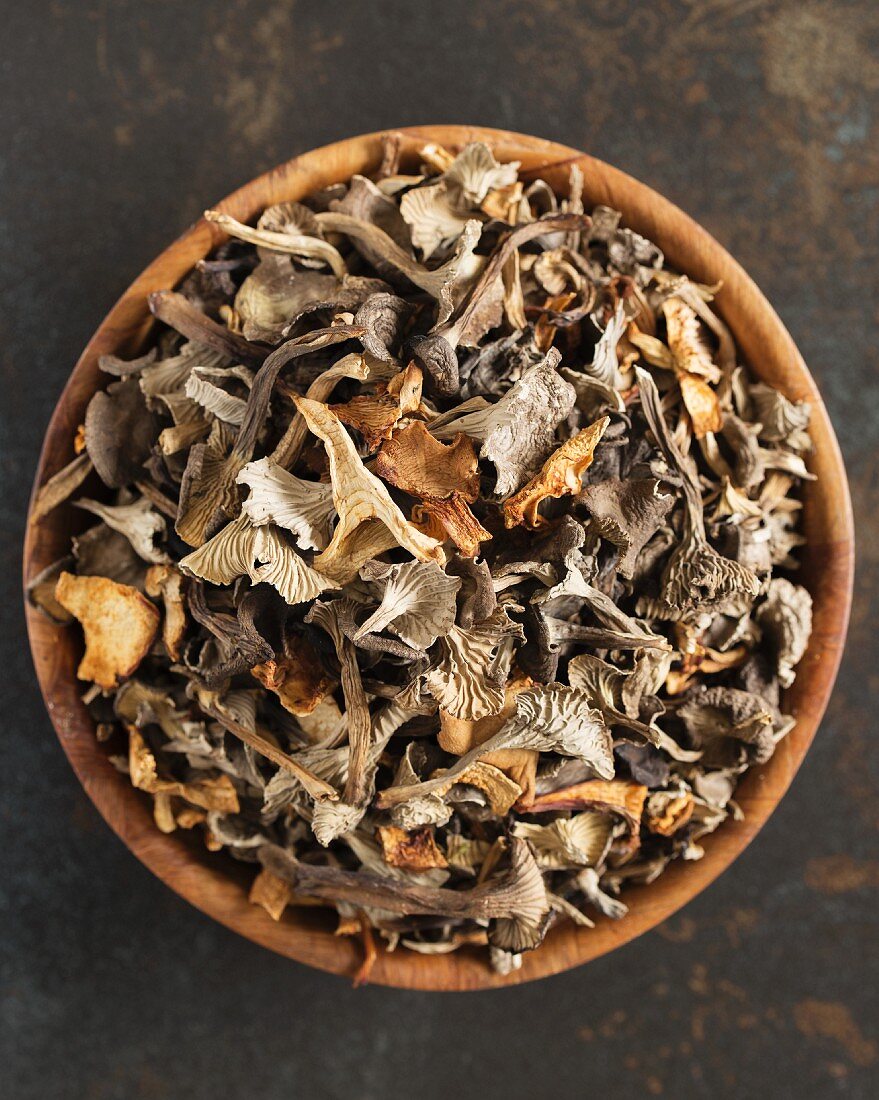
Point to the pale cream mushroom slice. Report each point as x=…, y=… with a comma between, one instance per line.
x=305, y=508
x=360, y=497
x=417, y=602
x=167, y=582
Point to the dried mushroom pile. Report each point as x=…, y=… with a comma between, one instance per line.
x=436, y=574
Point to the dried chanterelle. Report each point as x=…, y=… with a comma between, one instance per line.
x=436, y=572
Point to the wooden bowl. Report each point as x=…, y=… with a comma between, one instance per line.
x=216, y=884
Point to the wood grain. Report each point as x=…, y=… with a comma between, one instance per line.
x=217, y=885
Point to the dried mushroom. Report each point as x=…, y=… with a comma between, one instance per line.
x=448, y=541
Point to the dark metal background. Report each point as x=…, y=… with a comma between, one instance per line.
x=119, y=123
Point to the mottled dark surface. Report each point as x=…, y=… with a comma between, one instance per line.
x=120, y=122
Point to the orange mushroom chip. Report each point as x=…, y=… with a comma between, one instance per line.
x=375, y=417
x=459, y=735
x=560, y=476
x=416, y=850
x=297, y=678
x=615, y=795
x=211, y=793
x=445, y=478
x=119, y=625
x=167, y=582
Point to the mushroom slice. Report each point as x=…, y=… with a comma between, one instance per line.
x=376, y=417
x=169, y=376
x=578, y=841
x=786, y=618
x=207, y=489
x=211, y=793
x=296, y=244
x=628, y=514
x=560, y=476
x=276, y=292
x=551, y=718
x=136, y=521
x=474, y=172
x=685, y=341
x=668, y=811
x=415, y=851
x=440, y=282
x=618, y=796
x=119, y=432
x=469, y=680
x=444, y=478
x=433, y=805
x=459, y=736
x=167, y=582
x=781, y=420
x=693, y=366
x=260, y=553
x=272, y=893
x=59, y=487
x=304, y=507
x=359, y=497
x=518, y=432
x=697, y=578
x=414, y=461
x=213, y=398
x=418, y=603
x=451, y=519
x=431, y=216
x=296, y=677
x=118, y=622
x=330, y=616
x=517, y=893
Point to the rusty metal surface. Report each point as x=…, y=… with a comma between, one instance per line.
x=121, y=121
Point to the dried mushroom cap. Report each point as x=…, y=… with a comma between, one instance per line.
x=786, y=617
x=417, y=603
x=482, y=521
x=617, y=796
x=578, y=841
x=560, y=476
x=412, y=460
x=416, y=850
x=167, y=582
x=137, y=521
x=59, y=487
x=260, y=553
x=271, y=892
x=469, y=680
x=296, y=677
x=376, y=417
x=304, y=507
x=360, y=498
x=517, y=433
x=118, y=622
x=119, y=432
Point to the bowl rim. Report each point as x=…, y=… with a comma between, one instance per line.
x=212, y=885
